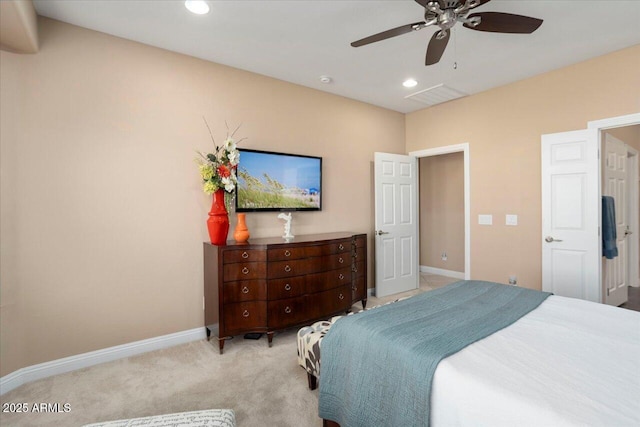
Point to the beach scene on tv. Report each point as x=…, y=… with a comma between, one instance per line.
x=278, y=181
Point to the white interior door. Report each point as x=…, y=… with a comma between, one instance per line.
x=571, y=246
x=615, y=184
x=396, y=221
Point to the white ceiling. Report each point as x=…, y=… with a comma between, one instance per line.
x=300, y=40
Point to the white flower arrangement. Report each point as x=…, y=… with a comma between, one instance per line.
x=218, y=169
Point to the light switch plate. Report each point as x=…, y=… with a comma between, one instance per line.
x=511, y=219
x=485, y=219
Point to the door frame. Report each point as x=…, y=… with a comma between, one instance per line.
x=457, y=148
x=634, y=217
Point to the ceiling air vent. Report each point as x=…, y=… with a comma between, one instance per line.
x=436, y=95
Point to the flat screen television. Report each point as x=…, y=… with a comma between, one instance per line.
x=269, y=181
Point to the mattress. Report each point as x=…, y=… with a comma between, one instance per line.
x=568, y=362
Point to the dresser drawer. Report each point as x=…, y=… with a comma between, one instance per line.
x=359, y=289
x=244, y=271
x=331, y=279
x=361, y=241
x=286, y=312
x=241, y=255
x=360, y=254
x=245, y=290
x=331, y=262
x=285, y=288
x=332, y=301
x=281, y=254
x=340, y=246
x=295, y=267
x=360, y=268
x=244, y=316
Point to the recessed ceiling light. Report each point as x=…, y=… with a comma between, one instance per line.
x=199, y=7
x=410, y=83
x=326, y=79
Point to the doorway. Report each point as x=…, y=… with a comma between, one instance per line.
x=462, y=149
x=619, y=166
x=441, y=211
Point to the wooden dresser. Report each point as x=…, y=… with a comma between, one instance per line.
x=268, y=284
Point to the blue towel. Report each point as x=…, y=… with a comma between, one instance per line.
x=609, y=234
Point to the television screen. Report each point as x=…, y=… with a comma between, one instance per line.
x=270, y=181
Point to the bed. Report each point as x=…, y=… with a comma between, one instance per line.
x=563, y=362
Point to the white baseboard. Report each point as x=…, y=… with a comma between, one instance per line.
x=442, y=272
x=72, y=363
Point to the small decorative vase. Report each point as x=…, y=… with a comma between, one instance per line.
x=241, y=233
x=218, y=222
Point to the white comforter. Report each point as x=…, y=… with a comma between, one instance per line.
x=567, y=363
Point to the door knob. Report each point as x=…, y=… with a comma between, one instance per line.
x=380, y=232
x=550, y=239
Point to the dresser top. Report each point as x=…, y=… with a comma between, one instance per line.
x=304, y=238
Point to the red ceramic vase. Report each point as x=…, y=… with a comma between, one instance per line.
x=218, y=222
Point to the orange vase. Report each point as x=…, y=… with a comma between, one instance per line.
x=241, y=233
x=218, y=222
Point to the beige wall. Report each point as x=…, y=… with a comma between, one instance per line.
x=503, y=128
x=18, y=26
x=629, y=134
x=442, y=211
x=103, y=216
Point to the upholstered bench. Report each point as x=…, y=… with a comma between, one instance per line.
x=309, y=341
x=206, y=418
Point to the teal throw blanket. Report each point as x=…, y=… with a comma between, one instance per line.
x=378, y=365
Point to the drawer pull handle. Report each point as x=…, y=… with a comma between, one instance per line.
x=245, y=255
x=246, y=313
x=287, y=268
x=340, y=260
x=287, y=287
x=341, y=276
x=245, y=290
x=341, y=247
x=245, y=270
x=341, y=296
x=287, y=253
x=287, y=310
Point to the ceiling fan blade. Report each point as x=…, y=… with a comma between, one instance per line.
x=436, y=47
x=497, y=22
x=388, y=34
x=480, y=3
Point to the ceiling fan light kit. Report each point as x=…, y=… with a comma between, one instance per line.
x=445, y=14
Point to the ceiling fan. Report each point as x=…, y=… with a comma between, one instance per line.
x=446, y=13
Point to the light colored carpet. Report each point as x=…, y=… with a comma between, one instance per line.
x=264, y=386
